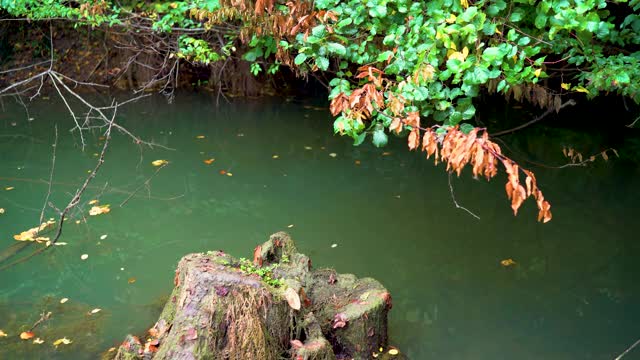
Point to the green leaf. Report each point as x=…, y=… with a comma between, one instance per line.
x=466, y=128
x=337, y=49
x=322, y=63
x=380, y=138
x=300, y=58
x=359, y=139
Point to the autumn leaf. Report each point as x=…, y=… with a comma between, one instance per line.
x=3, y=334
x=159, y=162
x=93, y=202
x=293, y=299
x=38, y=341
x=98, y=210
x=131, y=280
x=26, y=335
x=63, y=341
x=63, y=300
x=9, y=188
x=507, y=262
x=209, y=161
x=95, y=311
x=414, y=139
x=32, y=234
x=200, y=137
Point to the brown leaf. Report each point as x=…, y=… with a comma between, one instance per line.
x=414, y=139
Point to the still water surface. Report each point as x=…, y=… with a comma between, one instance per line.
x=573, y=293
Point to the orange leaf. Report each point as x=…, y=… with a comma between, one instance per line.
x=26, y=335
x=209, y=161
x=414, y=139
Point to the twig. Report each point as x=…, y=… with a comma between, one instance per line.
x=549, y=111
x=145, y=183
x=456, y=203
x=634, y=122
x=53, y=166
x=628, y=349
x=44, y=316
x=76, y=198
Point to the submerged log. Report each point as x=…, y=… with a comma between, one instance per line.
x=270, y=308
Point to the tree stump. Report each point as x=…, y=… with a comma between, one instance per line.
x=270, y=308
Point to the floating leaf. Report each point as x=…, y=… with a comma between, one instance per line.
x=64, y=300
x=275, y=156
x=293, y=299
x=308, y=148
x=159, y=162
x=131, y=280
x=103, y=237
x=3, y=334
x=229, y=174
x=98, y=210
x=507, y=262
x=357, y=162
x=222, y=172
x=26, y=335
x=200, y=137
x=93, y=202
x=334, y=245
x=32, y=234
x=9, y=188
x=95, y=311
x=1, y=210
x=209, y=161
x=63, y=341
x=84, y=256
x=333, y=155
x=290, y=226
x=38, y=341
x=393, y=352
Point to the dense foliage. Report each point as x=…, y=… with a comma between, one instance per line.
x=395, y=66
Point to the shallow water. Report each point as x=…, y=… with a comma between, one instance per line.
x=571, y=295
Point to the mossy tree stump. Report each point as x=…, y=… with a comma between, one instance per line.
x=274, y=307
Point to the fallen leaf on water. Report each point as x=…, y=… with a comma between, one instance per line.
x=290, y=226
x=92, y=202
x=507, y=262
x=9, y=188
x=200, y=137
x=98, y=210
x=84, y=256
x=308, y=148
x=32, y=234
x=26, y=335
x=64, y=300
x=3, y=334
x=131, y=280
x=60, y=244
x=334, y=245
x=1, y=211
x=38, y=341
x=96, y=310
x=103, y=237
x=357, y=162
x=333, y=155
x=209, y=161
x=275, y=156
x=229, y=174
x=293, y=299
x=159, y=162
x=111, y=349
x=77, y=221
x=240, y=135
x=63, y=341
x=222, y=172
x=386, y=153
x=393, y=352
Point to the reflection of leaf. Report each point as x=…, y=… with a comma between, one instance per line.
x=98, y=210
x=159, y=162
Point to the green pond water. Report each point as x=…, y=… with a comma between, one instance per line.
x=573, y=293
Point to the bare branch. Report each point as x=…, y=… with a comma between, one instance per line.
x=53, y=166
